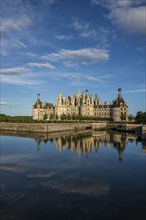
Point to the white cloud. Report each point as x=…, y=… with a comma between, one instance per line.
x=132, y=20
x=98, y=2
x=3, y=52
x=24, y=70
x=14, y=24
x=15, y=80
x=3, y=103
x=18, y=76
x=135, y=91
x=111, y=4
x=140, y=48
x=12, y=71
x=78, y=57
x=51, y=2
x=30, y=54
x=42, y=65
x=100, y=78
x=128, y=14
x=77, y=78
x=64, y=37
x=84, y=29
x=19, y=44
x=82, y=26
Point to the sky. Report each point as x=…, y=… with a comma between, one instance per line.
x=49, y=46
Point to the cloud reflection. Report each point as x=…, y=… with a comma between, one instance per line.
x=78, y=184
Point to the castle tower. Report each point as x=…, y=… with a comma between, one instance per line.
x=36, y=108
x=119, y=108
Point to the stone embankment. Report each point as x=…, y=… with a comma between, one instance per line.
x=144, y=132
x=49, y=135
x=50, y=127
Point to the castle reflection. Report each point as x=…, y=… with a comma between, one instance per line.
x=82, y=142
x=86, y=143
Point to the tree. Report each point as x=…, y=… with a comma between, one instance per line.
x=68, y=117
x=45, y=116
x=130, y=117
x=123, y=117
x=56, y=117
x=52, y=116
x=140, y=117
x=63, y=117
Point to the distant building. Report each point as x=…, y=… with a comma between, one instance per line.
x=82, y=104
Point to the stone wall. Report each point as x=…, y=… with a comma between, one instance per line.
x=49, y=127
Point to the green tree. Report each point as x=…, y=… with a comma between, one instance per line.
x=123, y=117
x=63, y=117
x=140, y=117
x=45, y=117
x=56, y=117
x=52, y=116
x=130, y=117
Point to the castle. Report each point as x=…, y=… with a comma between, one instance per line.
x=82, y=104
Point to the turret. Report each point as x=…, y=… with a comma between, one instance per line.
x=86, y=92
x=119, y=93
x=60, y=94
x=60, y=98
x=36, y=108
x=38, y=99
x=119, y=108
x=78, y=93
x=83, y=94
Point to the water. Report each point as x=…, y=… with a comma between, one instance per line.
x=82, y=176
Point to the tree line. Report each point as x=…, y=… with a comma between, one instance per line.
x=18, y=119
x=74, y=117
x=139, y=118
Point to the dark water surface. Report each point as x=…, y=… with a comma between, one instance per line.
x=89, y=176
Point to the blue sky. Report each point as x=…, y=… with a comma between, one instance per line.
x=53, y=45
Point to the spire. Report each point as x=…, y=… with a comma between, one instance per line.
x=119, y=93
x=96, y=96
x=38, y=96
x=38, y=99
x=60, y=94
x=78, y=93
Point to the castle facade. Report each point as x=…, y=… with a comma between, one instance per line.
x=82, y=104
